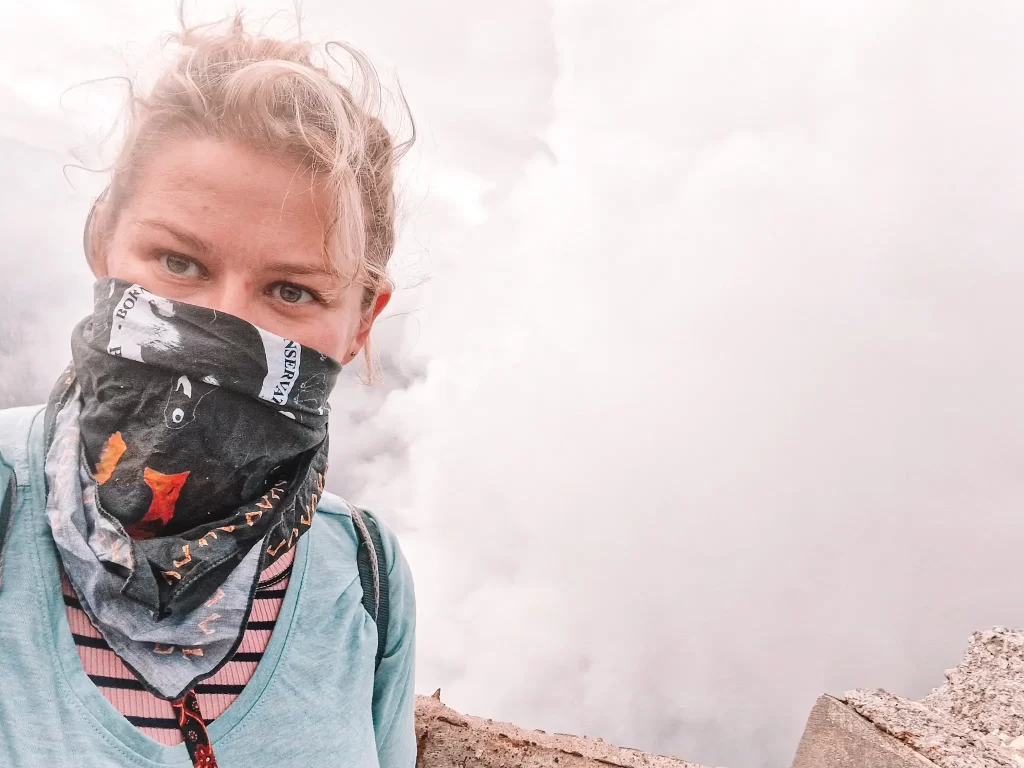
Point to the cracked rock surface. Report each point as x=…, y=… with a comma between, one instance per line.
x=448, y=739
x=974, y=720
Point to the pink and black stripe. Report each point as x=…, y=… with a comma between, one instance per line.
x=156, y=717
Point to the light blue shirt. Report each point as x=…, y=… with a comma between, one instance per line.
x=314, y=700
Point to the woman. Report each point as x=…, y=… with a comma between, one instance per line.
x=177, y=588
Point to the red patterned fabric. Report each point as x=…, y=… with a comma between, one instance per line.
x=193, y=729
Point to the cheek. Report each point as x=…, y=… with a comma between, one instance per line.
x=124, y=257
x=331, y=335
x=118, y=261
x=331, y=341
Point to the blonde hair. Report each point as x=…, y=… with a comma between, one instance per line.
x=278, y=97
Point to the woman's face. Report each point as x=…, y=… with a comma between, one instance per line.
x=219, y=225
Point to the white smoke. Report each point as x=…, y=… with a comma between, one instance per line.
x=710, y=402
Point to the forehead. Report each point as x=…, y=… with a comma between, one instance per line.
x=234, y=199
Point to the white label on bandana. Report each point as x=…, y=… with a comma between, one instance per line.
x=139, y=320
x=282, y=367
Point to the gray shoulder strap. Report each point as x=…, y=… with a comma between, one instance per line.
x=373, y=575
x=15, y=435
x=8, y=498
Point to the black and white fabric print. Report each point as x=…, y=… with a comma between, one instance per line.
x=202, y=445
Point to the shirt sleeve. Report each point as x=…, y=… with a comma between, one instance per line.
x=394, y=698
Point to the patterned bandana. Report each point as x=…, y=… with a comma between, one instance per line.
x=188, y=451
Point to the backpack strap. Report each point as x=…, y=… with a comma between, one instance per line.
x=15, y=432
x=373, y=575
x=8, y=497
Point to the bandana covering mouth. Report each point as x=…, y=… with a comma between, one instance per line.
x=188, y=451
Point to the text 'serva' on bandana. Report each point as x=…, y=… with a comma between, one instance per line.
x=187, y=452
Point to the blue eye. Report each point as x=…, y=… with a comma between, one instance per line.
x=180, y=265
x=292, y=294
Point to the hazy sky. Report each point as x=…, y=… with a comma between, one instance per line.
x=703, y=391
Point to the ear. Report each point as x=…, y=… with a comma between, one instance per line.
x=367, y=320
x=93, y=241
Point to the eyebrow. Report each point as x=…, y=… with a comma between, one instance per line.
x=303, y=270
x=193, y=242
x=284, y=268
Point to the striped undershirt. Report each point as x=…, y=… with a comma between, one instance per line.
x=151, y=715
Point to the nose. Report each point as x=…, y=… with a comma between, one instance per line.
x=232, y=295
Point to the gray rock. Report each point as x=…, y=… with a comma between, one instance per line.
x=837, y=737
x=448, y=739
x=973, y=720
